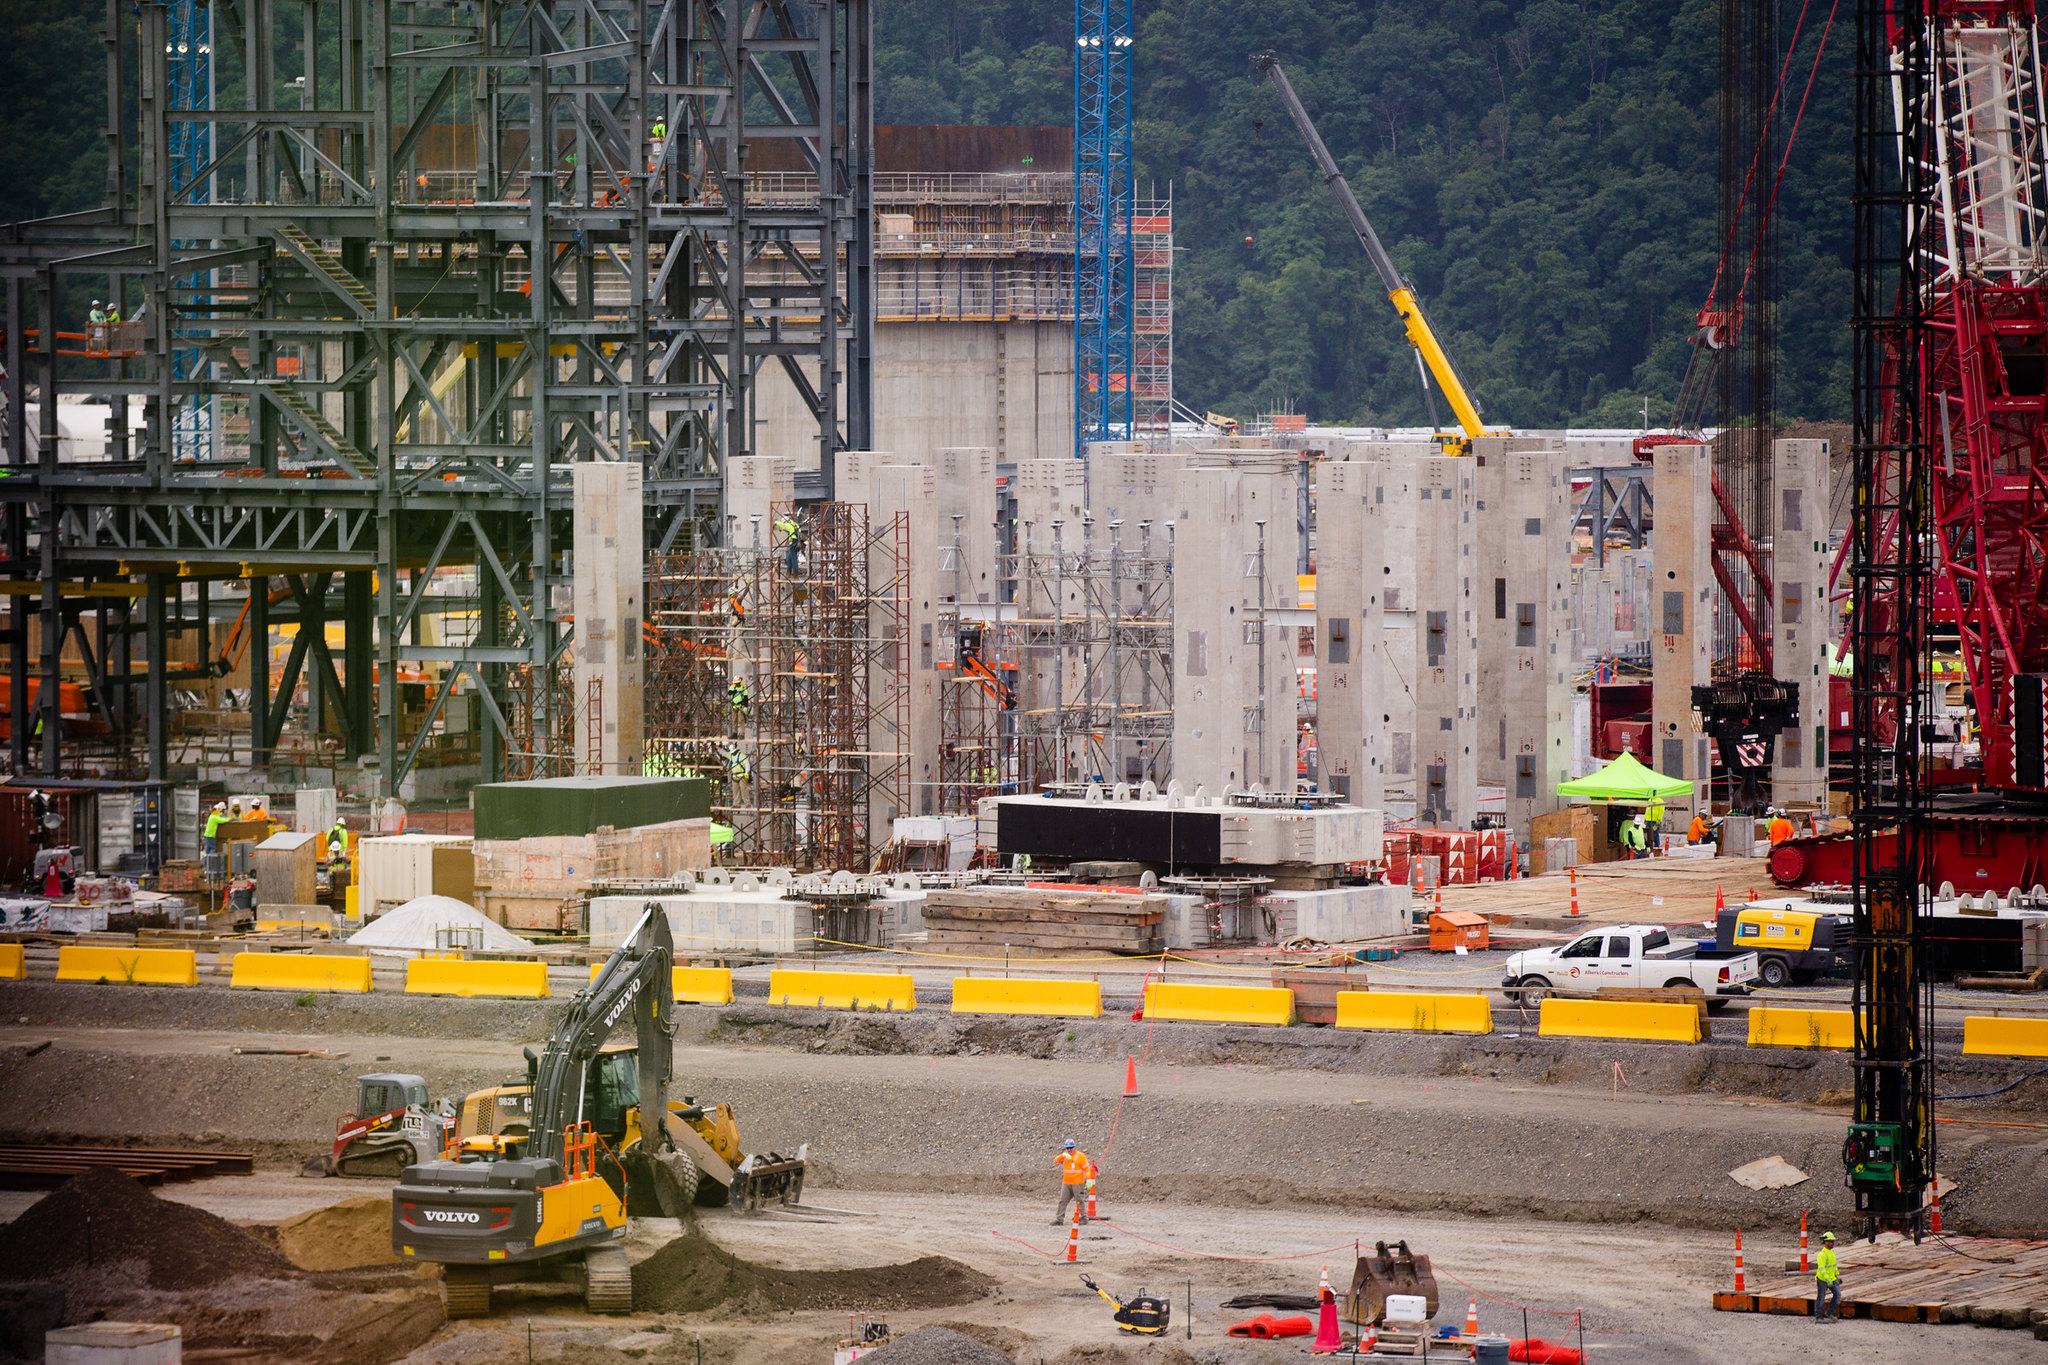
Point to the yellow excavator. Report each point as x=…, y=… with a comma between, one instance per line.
x=1430, y=357
x=540, y=1186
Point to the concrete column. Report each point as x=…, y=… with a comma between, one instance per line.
x=966, y=521
x=1534, y=602
x=754, y=486
x=1447, y=646
x=1233, y=722
x=1799, y=638
x=1495, y=631
x=1351, y=714
x=1052, y=498
x=1399, y=465
x=912, y=489
x=607, y=586
x=1681, y=624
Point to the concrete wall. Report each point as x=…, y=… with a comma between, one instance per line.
x=1352, y=714
x=1052, y=498
x=1527, y=620
x=1447, y=645
x=607, y=580
x=1398, y=461
x=1799, y=638
x=966, y=520
x=1006, y=386
x=1219, y=737
x=754, y=486
x=1681, y=621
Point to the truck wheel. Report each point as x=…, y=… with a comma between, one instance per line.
x=1534, y=989
x=1717, y=1006
x=1773, y=972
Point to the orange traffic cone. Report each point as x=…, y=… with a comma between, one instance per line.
x=1935, y=1226
x=1720, y=901
x=1130, y=1077
x=1328, y=1337
x=1738, y=1261
x=1471, y=1317
x=1803, y=1267
x=1074, y=1242
x=1575, y=891
x=1092, y=1214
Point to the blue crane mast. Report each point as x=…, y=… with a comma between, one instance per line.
x=1102, y=222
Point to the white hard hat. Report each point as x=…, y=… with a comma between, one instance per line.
x=220, y=805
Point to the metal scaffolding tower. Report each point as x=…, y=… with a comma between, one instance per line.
x=459, y=249
x=1102, y=222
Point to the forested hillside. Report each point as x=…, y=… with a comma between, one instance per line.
x=1545, y=171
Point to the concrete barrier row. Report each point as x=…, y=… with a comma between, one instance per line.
x=694, y=985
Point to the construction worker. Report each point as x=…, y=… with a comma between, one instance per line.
x=1655, y=815
x=1075, y=1172
x=736, y=765
x=337, y=865
x=792, y=534
x=1780, y=828
x=214, y=821
x=113, y=312
x=1827, y=1282
x=1699, y=830
x=736, y=697
x=1632, y=839
x=658, y=130
x=339, y=834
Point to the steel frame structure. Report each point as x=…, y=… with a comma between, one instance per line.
x=493, y=240
x=1890, y=579
x=1103, y=199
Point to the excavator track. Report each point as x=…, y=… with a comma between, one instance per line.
x=466, y=1290
x=384, y=1162
x=607, y=1280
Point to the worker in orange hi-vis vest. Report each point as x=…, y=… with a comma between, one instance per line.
x=1075, y=1168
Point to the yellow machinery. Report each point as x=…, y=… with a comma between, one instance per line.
x=1431, y=358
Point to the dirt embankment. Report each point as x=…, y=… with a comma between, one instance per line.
x=692, y=1274
x=102, y=1246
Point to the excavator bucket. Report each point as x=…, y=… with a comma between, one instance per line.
x=1384, y=1273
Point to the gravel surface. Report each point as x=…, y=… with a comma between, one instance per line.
x=937, y=1346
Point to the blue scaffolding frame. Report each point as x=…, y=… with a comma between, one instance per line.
x=1102, y=222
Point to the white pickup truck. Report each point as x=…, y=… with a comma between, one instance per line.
x=1638, y=955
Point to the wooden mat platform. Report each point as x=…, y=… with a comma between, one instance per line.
x=1988, y=1281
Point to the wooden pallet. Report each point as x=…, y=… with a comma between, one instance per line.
x=1989, y=1281
x=27, y=1167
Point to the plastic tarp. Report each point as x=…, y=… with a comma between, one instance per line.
x=1625, y=779
x=413, y=928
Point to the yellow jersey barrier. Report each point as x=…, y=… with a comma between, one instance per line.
x=1802, y=1028
x=1656, y=1023
x=694, y=985
x=453, y=976
x=1985, y=1035
x=994, y=995
x=129, y=966
x=842, y=990
x=13, y=962
x=1414, y=1012
x=300, y=972
x=1176, y=1000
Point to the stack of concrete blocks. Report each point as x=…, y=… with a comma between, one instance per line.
x=1447, y=644
x=1682, y=622
x=1400, y=463
x=1130, y=498
x=609, y=574
x=1352, y=716
x=966, y=516
x=1052, y=501
x=1799, y=641
x=755, y=486
x=1234, y=726
x=1525, y=623
x=890, y=485
x=533, y=883
x=744, y=913
x=1342, y=914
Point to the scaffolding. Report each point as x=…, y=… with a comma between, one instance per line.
x=1152, y=318
x=777, y=667
x=1094, y=631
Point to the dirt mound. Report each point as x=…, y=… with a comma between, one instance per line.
x=937, y=1346
x=344, y=1236
x=691, y=1274
x=102, y=1217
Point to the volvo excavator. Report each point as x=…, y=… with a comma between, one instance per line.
x=549, y=1200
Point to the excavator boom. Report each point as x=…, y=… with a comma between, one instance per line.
x=1399, y=291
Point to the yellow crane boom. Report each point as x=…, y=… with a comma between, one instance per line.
x=1429, y=351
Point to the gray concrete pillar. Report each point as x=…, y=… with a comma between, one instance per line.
x=1681, y=624
x=606, y=588
x=754, y=486
x=1532, y=603
x=1799, y=636
x=966, y=521
x=1447, y=646
x=1351, y=712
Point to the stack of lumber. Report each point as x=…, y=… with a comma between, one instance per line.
x=1987, y=1281
x=1043, y=919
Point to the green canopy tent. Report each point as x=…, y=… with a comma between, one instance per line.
x=1626, y=781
